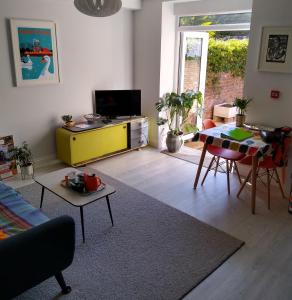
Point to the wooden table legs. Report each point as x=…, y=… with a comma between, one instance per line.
x=254, y=182
x=200, y=165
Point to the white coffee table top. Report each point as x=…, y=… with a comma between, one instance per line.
x=52, y=182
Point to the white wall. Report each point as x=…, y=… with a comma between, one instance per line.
x=168, y=48
x=95, y=53
x=147, y=47
x=259, y=84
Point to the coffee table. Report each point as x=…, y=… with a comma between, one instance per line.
x=52, y=182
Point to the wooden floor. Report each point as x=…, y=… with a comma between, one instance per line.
x=262, y=269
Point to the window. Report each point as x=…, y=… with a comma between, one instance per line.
x=223, y=19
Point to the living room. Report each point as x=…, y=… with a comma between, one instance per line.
x=135, y=49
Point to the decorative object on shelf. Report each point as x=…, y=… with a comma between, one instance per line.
x=7, y=163
x=23, y=157
x=176, y=108
x=92, y=118
x=35, y=52
x=276, y=50
x=241, y=105
x=68, y=121
x=98, y=8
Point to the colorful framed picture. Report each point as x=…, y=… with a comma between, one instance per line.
x=35, y=52
x=276, y=50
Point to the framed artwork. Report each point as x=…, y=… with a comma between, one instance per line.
x=276, y=50
x=35, y=52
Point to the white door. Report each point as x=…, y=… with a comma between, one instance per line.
x=193, y=64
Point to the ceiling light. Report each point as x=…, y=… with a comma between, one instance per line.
x=98, y=8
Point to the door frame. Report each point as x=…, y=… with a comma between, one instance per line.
x=199, y=28
x=204, y=36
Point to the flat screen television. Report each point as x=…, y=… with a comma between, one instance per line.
x=115, y=103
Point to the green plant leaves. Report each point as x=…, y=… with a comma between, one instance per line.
x=241, y=104
x=177, y=107
x=227, y=56
x=22, y=155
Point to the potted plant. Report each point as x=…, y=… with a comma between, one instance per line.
x=241, y=104
x=68, y=120
x=176, y=108
x=23, y=157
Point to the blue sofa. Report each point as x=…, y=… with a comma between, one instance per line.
x=32, y=247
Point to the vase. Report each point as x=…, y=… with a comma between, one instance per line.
x=26, y=171
x=173, y=142
x=239, y=119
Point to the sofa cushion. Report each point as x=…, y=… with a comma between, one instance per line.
x=16, y=214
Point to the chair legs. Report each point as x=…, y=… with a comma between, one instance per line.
x=229, y=165
x=244, y=183
x=237, y=172
x=227, y=173
x=279, y=183
x=217, y=165
x=209, y=168
x=269, y=179
x=269, y=188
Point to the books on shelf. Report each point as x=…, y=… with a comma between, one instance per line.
x=7, y=165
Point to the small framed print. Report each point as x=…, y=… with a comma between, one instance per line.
x=35, y=52
x=276, y=50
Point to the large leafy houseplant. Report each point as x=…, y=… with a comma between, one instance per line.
x=176, y=108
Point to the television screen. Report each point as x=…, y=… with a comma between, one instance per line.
x=114, y=103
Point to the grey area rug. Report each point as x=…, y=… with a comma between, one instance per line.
x=193, y=156
x=153, y=252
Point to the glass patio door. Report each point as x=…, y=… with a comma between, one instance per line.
x=193, y=66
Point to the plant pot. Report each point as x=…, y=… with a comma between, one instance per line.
x=69, y=124
x=26, y=171
x=240, y=119
x=173, y=142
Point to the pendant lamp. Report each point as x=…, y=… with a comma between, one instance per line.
x=98, y=8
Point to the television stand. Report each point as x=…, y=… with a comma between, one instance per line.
x=79, y=146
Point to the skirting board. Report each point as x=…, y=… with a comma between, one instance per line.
x=45, y=161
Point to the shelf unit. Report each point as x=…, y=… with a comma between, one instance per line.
x=78, y=147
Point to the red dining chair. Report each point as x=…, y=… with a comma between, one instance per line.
x=268, y=166
x=230, y=156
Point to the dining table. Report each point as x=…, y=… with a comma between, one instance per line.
x=253, y=146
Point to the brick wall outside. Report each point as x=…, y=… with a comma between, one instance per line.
x=191, y=75
x=226, y=89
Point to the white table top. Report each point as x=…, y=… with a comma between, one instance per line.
x=52, y=182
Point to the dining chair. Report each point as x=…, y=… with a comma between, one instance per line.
x=230, y=157
x=268, y=167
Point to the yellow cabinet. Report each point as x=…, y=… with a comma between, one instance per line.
x=78, y=148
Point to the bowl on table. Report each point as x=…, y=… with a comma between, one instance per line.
x=92, y=118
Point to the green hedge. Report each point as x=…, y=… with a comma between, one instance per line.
x=227, y=56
